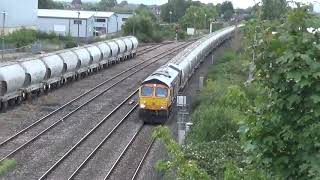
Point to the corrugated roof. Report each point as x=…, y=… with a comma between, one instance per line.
x=57, y=13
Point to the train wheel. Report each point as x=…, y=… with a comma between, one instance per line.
x=58, y=84
x=38, y=92
x=11, y=102
x=167, y=114
x=4, y=105
x=29, y=96
x=141, y=114
x=41, y=91
x=18, y=100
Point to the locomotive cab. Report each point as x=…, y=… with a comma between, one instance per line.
x=154, y=99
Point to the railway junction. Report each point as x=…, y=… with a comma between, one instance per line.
x=90, y=129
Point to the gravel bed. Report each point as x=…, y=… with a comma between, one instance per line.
x=70, y=164
x=158, y=152
x=101, y=163
x=57, y=141
x=131, y=159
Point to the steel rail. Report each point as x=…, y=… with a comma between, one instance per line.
x=123, y=152
x=97, y=148
x=91, y=131
x=93, y=152
x=73, y=100
x=79, y=107
x=148, y=49
x=142, y=160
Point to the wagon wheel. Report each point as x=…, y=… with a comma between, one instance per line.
x=11, y=102
x=4, y=105
x=18, y=100
x=29, y=96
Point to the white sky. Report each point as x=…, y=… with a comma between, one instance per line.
x=236, y=3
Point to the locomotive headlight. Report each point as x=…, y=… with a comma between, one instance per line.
x=142, y=106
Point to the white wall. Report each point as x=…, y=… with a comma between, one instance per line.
x=120, y=19
x=19, y=13
x=49, y=24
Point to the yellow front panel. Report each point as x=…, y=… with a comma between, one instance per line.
x=154, y=103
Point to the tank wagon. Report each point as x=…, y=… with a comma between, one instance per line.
x=158, y=92
x=23, y=78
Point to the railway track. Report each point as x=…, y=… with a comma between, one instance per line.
x=128, y=154
x=148, y=49
x=72, y=150
x=151, y=60
x=68, y=113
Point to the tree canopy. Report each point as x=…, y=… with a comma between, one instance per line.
x=49, y=4
x=198, y=17
x=282, y=128
x=107, y=4
x=178, y=9
x=273, y=9
x=225, y=10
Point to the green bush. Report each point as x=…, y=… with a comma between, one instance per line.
x=71, y=44
x=214, y=139
x=21, y=37
x=7, y=165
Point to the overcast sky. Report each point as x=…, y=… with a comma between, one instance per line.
x=236, y=3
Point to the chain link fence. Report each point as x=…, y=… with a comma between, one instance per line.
x=11, y=54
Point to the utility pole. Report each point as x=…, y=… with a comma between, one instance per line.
x=205, y=21
x=78, y=27
x=134, y=14
x=3, y=23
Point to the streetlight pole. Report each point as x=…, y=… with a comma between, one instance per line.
x=3, y=23
x=170, y=12
x=194, y=20
x=134, y=14
x=205, y=21
x=78, y=27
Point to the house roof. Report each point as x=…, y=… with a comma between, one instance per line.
x=72, y=14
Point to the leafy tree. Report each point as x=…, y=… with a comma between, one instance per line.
x=49, y=4
x=123, y=3
x=90, y=6
x=273, y=9
x=107, y=4
x=177, y=7
x=185, y=168
x=198, y=16
x=140, y=26
x=226, y=10
x=143, y=10
x=282, y=130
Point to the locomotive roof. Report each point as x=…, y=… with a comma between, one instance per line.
x=164, y=74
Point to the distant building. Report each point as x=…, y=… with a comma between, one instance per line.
x=18, y=14
x=122, y=18
x=90, y=23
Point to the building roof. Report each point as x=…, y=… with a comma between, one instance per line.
x=72, y=14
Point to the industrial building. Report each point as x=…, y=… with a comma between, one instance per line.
x=16, y=14
x=80, y=23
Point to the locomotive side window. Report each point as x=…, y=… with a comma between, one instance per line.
x=146, y=91
x=161, y=92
